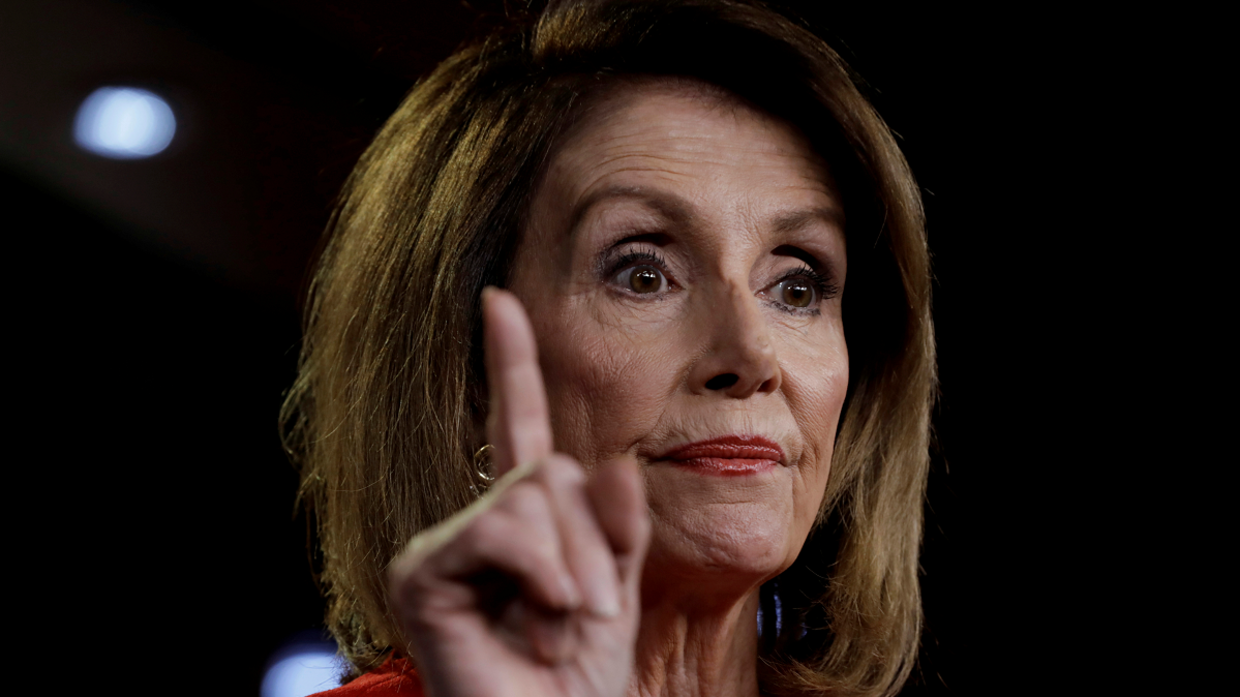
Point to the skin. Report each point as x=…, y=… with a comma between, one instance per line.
x=711, y=341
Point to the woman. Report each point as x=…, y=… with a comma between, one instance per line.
x=703, y=488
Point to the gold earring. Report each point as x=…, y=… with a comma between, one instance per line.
x=484, y=473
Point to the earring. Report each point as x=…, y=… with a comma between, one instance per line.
x=484, y=474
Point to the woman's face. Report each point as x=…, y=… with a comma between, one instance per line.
x=682, y=267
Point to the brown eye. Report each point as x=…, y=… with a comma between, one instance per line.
x=798, y=292
x=645, y=279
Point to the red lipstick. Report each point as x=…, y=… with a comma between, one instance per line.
x=729, y=456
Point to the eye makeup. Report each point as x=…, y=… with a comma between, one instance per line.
x=635, y=252
x=633, y=249
x=819, y=285
x=638, y=256
x=823, y=283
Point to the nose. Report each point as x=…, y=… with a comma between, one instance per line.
x=739, y=360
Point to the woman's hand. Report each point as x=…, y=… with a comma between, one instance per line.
x=534, y=589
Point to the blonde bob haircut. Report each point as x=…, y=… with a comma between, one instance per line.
x=384, y=417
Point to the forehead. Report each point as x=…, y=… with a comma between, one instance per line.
x=701, y=143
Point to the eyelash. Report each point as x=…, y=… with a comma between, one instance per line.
x=821, y=282
x=630, y=258
x=640, y=257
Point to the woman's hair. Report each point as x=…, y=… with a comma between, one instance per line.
x=383, y=418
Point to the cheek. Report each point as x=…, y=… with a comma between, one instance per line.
x=817, y=411
x=815, y=385
x=606, y=387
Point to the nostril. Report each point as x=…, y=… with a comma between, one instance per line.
x=722, y=382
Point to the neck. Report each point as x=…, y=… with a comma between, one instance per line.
x=694, y=645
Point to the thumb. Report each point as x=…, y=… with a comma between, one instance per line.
x=618, y=496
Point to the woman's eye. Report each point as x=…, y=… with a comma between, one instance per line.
x=797, y=292
x=642, y=279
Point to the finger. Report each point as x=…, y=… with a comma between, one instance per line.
x=519, y=425
x=617, y=495
x=517, y=536
x=587, y=552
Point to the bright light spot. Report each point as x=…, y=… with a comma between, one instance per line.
x=302, y=671
x=124, y=123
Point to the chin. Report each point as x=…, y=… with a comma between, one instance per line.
x=732, y=546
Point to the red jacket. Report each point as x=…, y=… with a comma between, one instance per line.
x=395, y=678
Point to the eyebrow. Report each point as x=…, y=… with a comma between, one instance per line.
x=677, y=210
x=666, y=204
x=791, y=222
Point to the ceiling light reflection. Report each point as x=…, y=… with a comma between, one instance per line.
x=124, y=123
x=301, y=671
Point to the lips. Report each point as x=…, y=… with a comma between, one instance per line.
x=728, y=456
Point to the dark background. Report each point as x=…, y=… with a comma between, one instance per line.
x=157, y=318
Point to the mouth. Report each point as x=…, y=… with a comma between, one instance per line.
x=727, y=456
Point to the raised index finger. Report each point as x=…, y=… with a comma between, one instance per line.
x=518, y=425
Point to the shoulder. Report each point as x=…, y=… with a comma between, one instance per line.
x=395, y=678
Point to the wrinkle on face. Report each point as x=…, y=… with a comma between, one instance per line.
x=715, y=188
